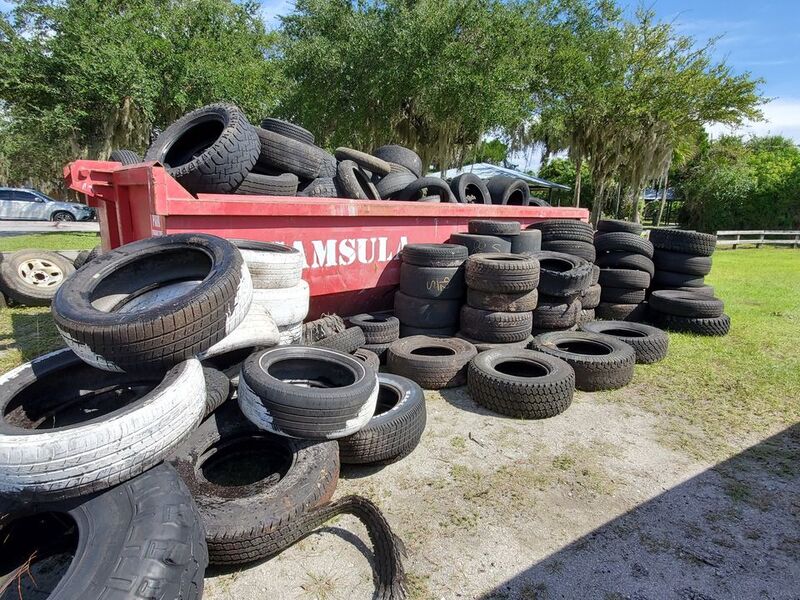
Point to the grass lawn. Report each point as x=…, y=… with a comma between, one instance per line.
x=50, y=241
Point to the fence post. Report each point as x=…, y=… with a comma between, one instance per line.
x=760, y=240
x=738, y=237
x=796, y=240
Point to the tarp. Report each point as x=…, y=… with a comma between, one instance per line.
x=487, y=171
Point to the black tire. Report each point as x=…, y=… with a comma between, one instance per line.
x=268, y=185
x=250, y=508
x=62, y=215
x=430, y=186
x=377, y=328
x=622, y=312
x=379, y=350
x=626, y=260
x=622, y=295
x=369, y=358
x=623, y=242
x=479, y=244
x=287, y=155
x=100, y=312
x=504, y=273
x=373, y=164
x=702, y=290
x=611, y=225
x=439, y=283
x=521, y=383
x=534, y=201
x=425, y=313
x=468, y=188
x=717, y=326
x=395, y=429
x=211, y=149
x=682, y=304
x=682, y=263
x=562, y=274
x=564, y=230
x=595, y=275
x=483, y=346
x=649, y=343
x=288, y=129
x=434, y=255
x=529, y=240
x=582, y=250
x=126, y=157
x=354, y=183
x=490, y=227
x=590, y=297
x=329, y=164
x=506, y=190
x=601, y=362
x=624, y=278
x=685, y=242
x=551, y=314
x=153, y=510
x=347, y=341
x=218, y=388
x=393, y=184
x=321, y=187
x=433, y=362
x=409, y=330
x=510, y=302
x=80, y=259
x=94, y=253
x=494, y=326
x=399, y=155
x=33, y=277
x=307, y=392
x=672, y=279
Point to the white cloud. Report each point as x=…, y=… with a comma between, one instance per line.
x=781, y=117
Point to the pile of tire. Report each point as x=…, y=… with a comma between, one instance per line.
x=501, y=295
x=497, y=236
x=565, y=281
x=626, y=268
x=573, y=237
x=431, y=289
x=126, y=436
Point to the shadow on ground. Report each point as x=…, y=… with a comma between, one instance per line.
x=731, y=532
x=31, y=331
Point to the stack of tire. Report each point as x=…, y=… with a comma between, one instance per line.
x=564, y=281
x=626, y=266
x=431, y=289
x=568, y=236
x=501, y=295
x=380, y=331
x=497, y=236
x=680, y=299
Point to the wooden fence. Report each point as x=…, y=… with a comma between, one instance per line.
x=732, y=239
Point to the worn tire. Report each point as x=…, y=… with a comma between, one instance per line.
x=425, y=312
x=140, y=418
x=506, y=190
x=672, y=279
x=554, y=313
x=307, y=392
x=394, y=183
x=509, y=302
x=623, y=242
x=32, y=277
x=373, y=164
x=218, y=388
x=410, y=330
x=554, y=230
x=439, y=283
x=287, y=155
x=433, y=362
x=682, y=304
x=702, y=290
x=395, y=429
x=493, y=227
x=586, y=315
x=321, y=187
x=590, y=297
x=287, y=306
x=622, y=312
x=377, y=328
x=685, y=242
x=347, y=341
x=271, y=265
x=624, y=278
x=354, y=183
x=494, y=326
x=468, y=188
x=717, y=326
x=505, y=273
x=611, y=225
x=369, y=358
x=80, y=259
x=399, y=155
x=593, y=372
x=626, y=260
x=151, y=331
x=649, y=343
x=257, y=330
x=315, y=330
x=562, y=274
x=288, y=129
x=269, y=185
x=622, y=295
x=210, y=150
x=434, y=255
x=521, y=383
x=431, y=186
x=126, y=157
x=582, y=250
x=682, y=263
x=478, y=243
x=529, y=240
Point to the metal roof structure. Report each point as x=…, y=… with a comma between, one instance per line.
x=486, y=171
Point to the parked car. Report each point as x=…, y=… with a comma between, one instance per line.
x=31, y=205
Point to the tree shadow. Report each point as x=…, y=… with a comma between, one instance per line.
x=733, y=531
x=30, y=330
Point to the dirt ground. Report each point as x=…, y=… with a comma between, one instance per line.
x=584, y=505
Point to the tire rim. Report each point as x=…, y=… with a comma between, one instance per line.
x=41, y=273
x=62, y=217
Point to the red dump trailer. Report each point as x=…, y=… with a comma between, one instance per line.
x=350, y=246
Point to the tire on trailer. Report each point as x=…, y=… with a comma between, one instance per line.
x=321, y=187
x=506, y=190
x=210, y=150
x=268, y=185
x=478, y=243
x=373, y=164
x=288, y=129
x=682, y=304
x=649, y=343
x=506, y=273
x=286, y=155
x=119, y=312
x=271, y=265
x=521, y=383
x=493, y=326
x=468, y=188
x=431, y=185
x=601, y=362
x=307, y=392
x=151, y=511
x=347, y=341
x=252, y=513
x=493, y=227
x=32, y=277
x=116, y=425
x=393, y=184
x=354, y=183
x=392, y=153
x=441, y=283
x=395, y=429
x=433, y=362
x=562, y=274
x=685, y=242
x=377, y=328
x=126, y=157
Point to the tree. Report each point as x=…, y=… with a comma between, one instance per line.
x=493, y=152
x=562, y=170
x=81, y=77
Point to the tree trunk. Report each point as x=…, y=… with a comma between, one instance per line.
x=597, y=208
x=635, y=206
x=663, y=199
x=616, y=201
x=578, y=164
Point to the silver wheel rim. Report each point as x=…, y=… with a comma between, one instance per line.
x=40, y=273
x=61, y=217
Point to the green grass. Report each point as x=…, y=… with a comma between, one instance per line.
x=50, y=241
x=25, y=333
x=712, y=391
